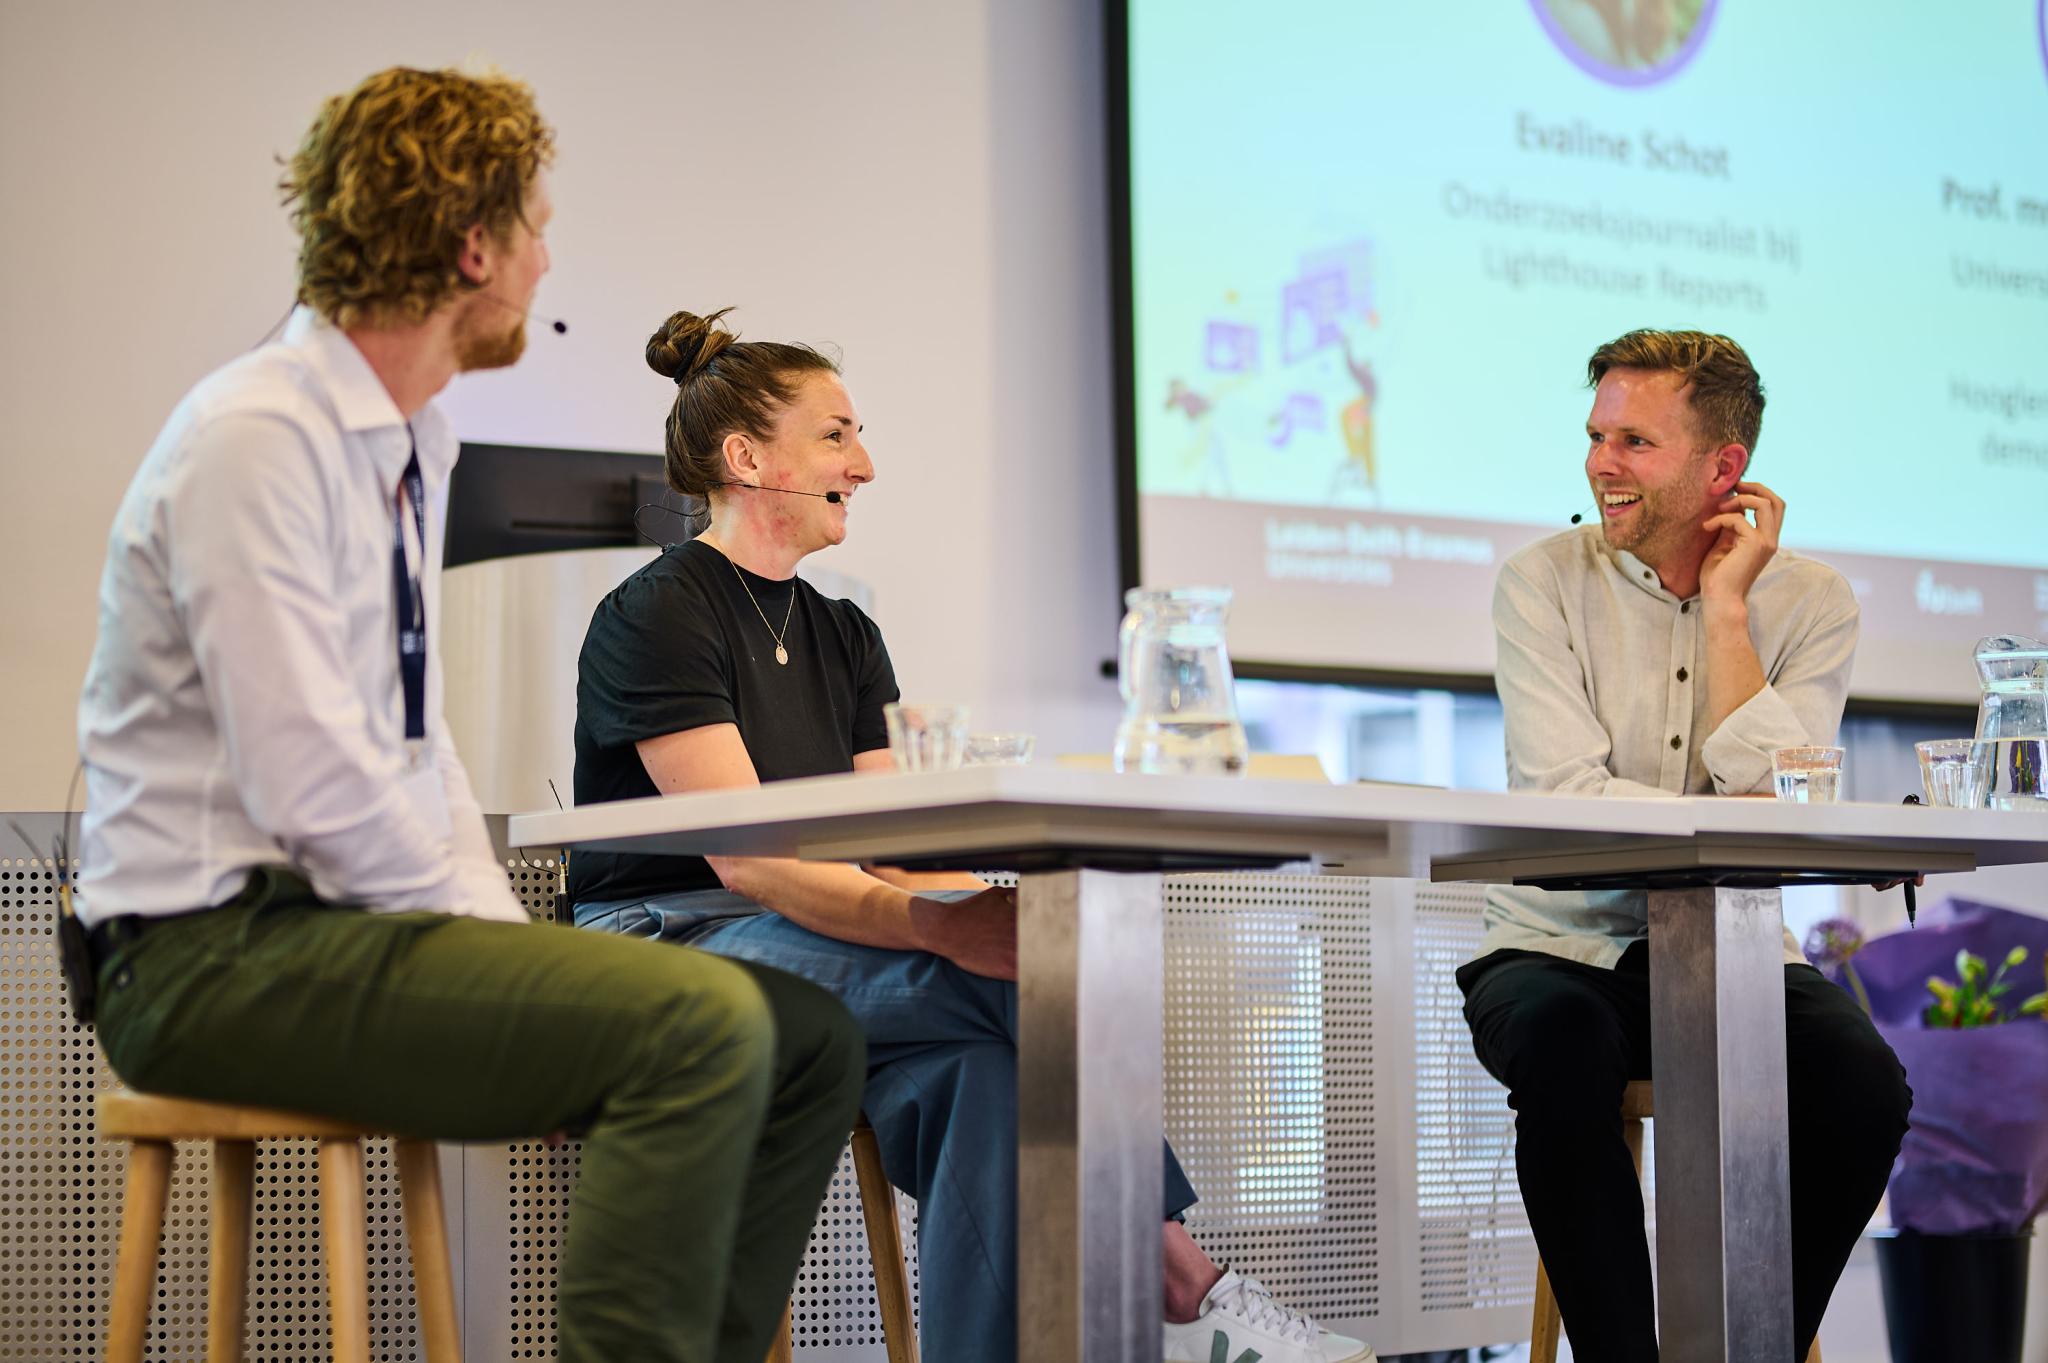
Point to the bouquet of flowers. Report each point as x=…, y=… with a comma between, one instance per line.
x=1975, y=1048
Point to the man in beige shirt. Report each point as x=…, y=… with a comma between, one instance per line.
x=1665, y=651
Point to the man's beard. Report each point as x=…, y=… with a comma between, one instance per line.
x=1656, y=526
x=1646, y=529
x=476, y=348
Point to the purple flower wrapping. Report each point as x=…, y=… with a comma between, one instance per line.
x=1976, y=1156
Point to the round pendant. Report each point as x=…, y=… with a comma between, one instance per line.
x=782, y=655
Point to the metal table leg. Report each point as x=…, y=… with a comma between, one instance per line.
x=1090, y=996
x=1717, y=1027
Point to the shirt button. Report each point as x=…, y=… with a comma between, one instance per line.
x=1685, y=608
x=1648, y=576
x=1677, y=742
x=1681, y=674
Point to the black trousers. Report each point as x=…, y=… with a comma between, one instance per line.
x=1566, y=1038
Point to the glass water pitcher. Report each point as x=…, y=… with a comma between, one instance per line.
x=2014, y=673
x=1180, y=706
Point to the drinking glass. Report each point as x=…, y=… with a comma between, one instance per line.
x=999, y=750
x=1954, y=771
x=1807, y=776
x=926, y=737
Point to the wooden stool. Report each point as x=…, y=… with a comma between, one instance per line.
x=885, y=1247
x=1637, y=1107
x=152, y=1123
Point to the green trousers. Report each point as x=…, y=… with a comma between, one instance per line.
x=714, y=1096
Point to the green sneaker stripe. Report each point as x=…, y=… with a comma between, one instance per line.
x=1219, y=1350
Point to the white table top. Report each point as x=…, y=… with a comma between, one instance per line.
x=1035, y=817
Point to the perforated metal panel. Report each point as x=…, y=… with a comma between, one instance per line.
x=1271, y=1081
x=1475, y=1250
x=834, y=1307
x=538, y=1181
x=58, y=1189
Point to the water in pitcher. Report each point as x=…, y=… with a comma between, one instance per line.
x=1185, y=747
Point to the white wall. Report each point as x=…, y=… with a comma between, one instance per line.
x=918, y=184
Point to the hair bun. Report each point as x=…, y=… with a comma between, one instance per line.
x=681, y=347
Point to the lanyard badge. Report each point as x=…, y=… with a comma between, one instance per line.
x=411, y=602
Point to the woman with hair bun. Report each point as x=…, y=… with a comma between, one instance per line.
x=716, y=667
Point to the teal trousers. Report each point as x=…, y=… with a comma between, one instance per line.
x=714, y=1096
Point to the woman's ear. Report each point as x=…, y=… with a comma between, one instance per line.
x=740, y=463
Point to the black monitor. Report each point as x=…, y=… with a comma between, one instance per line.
x=505, y=500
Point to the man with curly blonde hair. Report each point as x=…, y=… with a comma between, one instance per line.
x=290, y=894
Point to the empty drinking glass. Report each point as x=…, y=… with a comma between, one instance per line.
x=1807, y=776
x=926, y=737
x=999, y=750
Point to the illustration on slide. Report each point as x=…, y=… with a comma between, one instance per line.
x=1360, y=472
x=1233, y=347
x=1627, y=42
x=1298, y=413
x=1278, y=402
x=1206, y=466
x=1323, y=307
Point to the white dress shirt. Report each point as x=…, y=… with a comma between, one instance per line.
x=243, y=705
x=1599, y=670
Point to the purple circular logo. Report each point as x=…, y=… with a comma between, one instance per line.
x=1629, y=42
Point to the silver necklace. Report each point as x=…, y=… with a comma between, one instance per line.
x=781, y=653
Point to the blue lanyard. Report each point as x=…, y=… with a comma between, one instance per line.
x=412, y=601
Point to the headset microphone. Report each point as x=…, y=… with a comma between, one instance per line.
x=556, y=324
x=1581, y=515
x=833, y=497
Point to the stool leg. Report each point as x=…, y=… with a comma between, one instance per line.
x=142, y=1229
x=227, y=1275
x=1548, y=1326
x=885, y=1246
x=433, y=1277
x=342, y=1229
x=779, y=1349
x=1813, y=1354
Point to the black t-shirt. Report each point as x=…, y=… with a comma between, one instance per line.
x=679, y=645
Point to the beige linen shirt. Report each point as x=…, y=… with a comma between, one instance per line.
x=1599, y=670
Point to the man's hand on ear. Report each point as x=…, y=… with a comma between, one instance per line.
x=1742, y=547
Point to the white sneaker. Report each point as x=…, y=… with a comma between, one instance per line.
x=1241, y=1323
